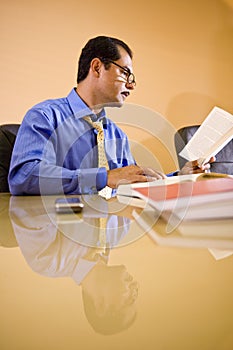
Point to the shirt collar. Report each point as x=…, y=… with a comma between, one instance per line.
x=80, y=109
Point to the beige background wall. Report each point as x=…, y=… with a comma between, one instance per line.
x=183, y=57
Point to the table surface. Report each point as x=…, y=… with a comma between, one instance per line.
x=64, y=286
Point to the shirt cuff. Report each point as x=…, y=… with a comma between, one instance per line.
x=101, y=178
x=174, y=173
x=92, y=180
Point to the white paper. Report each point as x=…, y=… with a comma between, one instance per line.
x=213, y=134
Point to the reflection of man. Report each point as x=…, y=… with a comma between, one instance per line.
x=109, y=296
x=109, y=292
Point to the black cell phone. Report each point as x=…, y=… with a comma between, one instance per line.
x=68, y=205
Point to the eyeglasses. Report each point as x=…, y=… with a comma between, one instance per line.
x=130, y=76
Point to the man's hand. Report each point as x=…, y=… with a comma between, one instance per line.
x=131, y=174
x=193, y=168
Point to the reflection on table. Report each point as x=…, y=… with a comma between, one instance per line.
x=109, y=292
x=61, y=288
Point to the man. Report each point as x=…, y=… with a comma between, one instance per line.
x=56, y=147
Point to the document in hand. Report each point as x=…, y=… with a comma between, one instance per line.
x=186, y=194
x=213, y=134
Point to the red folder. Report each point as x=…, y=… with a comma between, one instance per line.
x=182, y=194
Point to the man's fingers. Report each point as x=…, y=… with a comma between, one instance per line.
x=151, y=173
x=194, y=164
x=132, y=174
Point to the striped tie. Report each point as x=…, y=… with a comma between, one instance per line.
x=106, y=192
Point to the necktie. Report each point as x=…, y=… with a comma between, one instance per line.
x=106, y=192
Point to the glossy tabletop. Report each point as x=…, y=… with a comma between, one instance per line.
x=111, y=277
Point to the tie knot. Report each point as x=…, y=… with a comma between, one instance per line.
x=97, y=125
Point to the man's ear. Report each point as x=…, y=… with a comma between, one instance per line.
x=96, y=66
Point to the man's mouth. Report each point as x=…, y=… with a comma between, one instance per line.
x=125, y=93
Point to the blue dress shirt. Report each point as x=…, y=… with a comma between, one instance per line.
x=56, y=151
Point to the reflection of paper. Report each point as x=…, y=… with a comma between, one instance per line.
x=164, y=234
x=213, y=134
x=220, y=254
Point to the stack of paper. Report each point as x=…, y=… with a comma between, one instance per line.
x=211, y=198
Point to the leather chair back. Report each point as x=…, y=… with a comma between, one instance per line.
x=8, y=134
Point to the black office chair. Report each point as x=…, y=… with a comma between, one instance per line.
x=8, y=134
x=224, y=159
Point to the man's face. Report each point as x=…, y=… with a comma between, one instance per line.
x=113, y=287
x=113, y=86
x=110, y=298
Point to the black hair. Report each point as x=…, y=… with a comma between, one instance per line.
x=102, y=47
